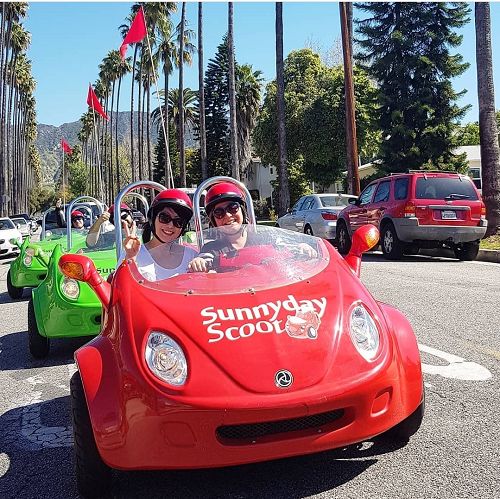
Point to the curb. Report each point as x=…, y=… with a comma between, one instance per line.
x=487, y=255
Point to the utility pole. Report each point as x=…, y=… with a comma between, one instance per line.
x=350, y=104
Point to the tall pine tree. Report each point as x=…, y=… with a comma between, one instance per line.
x=405, y=47
x=216, y=112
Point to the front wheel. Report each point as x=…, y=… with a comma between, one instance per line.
x=14, y=292
x=402, y=432
x=38, y=344
x=392, y=247
x=343, y=238
x=93, y=476
x=467, y=251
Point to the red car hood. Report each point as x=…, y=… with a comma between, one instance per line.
x=251, y=337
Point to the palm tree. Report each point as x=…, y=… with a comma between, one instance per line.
x=233, y=140
x=284, y=193
x=180, y=131
x=248, y=92
x=488, y=134
x=201, y=96
x=168, y=52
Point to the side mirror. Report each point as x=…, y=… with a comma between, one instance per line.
x=364, y=239
x=354, y=201
x=14, y=242
x=82, y=268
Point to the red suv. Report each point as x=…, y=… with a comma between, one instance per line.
x=418, y=210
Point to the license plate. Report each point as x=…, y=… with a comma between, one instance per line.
x=449, y=215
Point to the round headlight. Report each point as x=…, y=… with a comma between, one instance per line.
x=70, y=288
x=166, y=359
x=364, y=332
x=27, y=260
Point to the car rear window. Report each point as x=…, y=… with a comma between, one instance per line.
x=329, y=201
x=442, y=187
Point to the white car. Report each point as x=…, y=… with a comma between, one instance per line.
x=315, y=214
x=9, y=231
x=23, y=226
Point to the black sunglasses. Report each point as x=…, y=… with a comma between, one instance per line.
x=124, y=215
x=164, y=218
x=231, y=208
x=77, y=218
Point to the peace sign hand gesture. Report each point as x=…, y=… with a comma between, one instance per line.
x=131, y=243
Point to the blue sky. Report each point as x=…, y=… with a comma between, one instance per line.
x=70, y=39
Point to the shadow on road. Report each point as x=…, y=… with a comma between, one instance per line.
x=14, y=353
x=5, y=298
x=30, y=467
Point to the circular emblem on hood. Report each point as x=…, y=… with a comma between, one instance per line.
x=283, y=379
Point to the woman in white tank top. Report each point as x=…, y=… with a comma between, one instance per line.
x=162, y=256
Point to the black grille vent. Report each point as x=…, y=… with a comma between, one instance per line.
x=256, y=430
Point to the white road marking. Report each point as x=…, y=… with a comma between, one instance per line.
x=457, y=367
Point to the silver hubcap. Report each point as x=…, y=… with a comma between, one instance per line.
x=388, y=241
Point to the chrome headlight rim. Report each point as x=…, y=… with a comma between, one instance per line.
x=174, y=371
x=27, y=260
x=364, y=331
x=70, y=288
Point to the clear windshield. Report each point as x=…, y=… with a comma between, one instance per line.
x=271, y=258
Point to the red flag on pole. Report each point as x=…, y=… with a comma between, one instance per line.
x=65, y=147
x=136, y=33
x=94, y=103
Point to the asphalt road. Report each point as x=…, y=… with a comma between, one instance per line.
x=453, y=307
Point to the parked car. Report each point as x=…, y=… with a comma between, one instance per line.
x=418, y=210
x=315, y=214
x=224, y=368
x=22, y=225
x=8, y=231
x=33, y=226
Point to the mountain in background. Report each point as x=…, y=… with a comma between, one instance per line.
x=49, y=139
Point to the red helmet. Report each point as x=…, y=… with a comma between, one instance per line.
x=175, y=198
x=224, y=191
x=76, y=213
x=123, y=207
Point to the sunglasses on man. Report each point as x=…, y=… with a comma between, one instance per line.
x=77, y=218
x=231, y=208
x=164, y=218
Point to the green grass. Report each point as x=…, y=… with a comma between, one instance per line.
x=492, y=242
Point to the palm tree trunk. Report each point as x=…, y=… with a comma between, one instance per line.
x=148, y=129
x=116, y=135
x=284, y=192
x=235, y=169
x=180, y=131
x=201, y=96
x=488, y=133
x=139, y=121
x=168, y=163
x=132, y=165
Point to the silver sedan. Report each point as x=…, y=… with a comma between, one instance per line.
x=315, y=214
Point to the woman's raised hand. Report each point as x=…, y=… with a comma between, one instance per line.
x=131, y=243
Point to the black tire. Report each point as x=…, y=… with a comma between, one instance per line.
x=93, y=476
x=38, y=345
x=14, y=293
x=308, y=230
x=402, y=432
x=343, y=238
x=467, y=251
x=392, y=247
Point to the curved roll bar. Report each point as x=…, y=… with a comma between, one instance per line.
x=206, y=184
x=140, y=184
x=69, y=209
